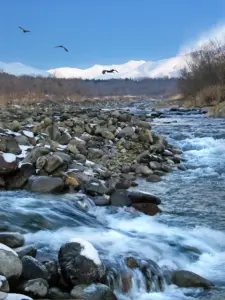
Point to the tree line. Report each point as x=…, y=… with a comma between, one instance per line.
x=39, y=87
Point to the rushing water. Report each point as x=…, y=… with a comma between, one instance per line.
x=189, y=234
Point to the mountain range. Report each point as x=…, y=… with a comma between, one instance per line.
x=132, y=69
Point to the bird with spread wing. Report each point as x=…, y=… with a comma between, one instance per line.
x=24, y=30
x=109, y=71
x=61, y=46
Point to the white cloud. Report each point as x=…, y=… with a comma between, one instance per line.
x=216, y=32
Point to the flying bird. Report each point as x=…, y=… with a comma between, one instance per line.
x=24, y=30
x=61, y=46
x=109, y=71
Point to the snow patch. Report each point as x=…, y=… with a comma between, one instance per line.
x=8, y=131
x=6, y=248
x=9, y=157
x=89, y=163
x=17, y=297
x=28, y=133
x=88, y=250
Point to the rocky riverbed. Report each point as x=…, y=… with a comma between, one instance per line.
x=93, y=156
x=99, y=152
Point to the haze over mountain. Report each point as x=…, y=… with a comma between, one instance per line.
x=132, y=69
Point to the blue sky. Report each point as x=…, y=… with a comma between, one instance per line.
x=102, y=31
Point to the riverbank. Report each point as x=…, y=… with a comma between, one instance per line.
x=94, y=150
x=184, y=236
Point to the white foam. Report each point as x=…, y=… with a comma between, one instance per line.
x=88, y=250
x=9, y=157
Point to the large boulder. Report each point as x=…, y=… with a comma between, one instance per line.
x=12, y=239
x=8, y=163
x=92, y=292
x=187, y=279
x=147, y=208
x=80, y=263
x=45, y=184
x=32, y=269
x=142, y=197
x=10, y=264
x=120, y=198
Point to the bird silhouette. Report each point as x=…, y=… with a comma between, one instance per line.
x=109, y=71
x=61, y=46
x=24, y=30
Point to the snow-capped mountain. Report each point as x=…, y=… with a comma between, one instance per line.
x=132, y=69
x=18, y=69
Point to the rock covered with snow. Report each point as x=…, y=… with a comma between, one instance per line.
x=80, y=263
x=8, y=163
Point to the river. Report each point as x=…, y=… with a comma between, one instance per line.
x=189, y=234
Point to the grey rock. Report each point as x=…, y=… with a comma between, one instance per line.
x=12, y=239
x=143, y=124
x=95, y=153
x=15, y=126
x=78, y=269
x=65, y=138
x=120, y=198
x=56, y=293
x=95, y=187
x=143, y=170
x=142, y=197
x=153, y=178
x=26, y=251
x=22, y=140
x=45, y=184
x=35, y=154
x=18, y=180
x=10, y=264
x=92, y=292
x=53, y=163
x=33, y=269
x=10, y=145
x=187, y=279
x=125, y=132
x=65, y=157
x=37, y=288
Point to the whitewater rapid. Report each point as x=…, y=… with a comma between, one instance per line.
x=189, y=234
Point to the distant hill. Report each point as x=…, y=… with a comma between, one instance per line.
x=132, y=69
